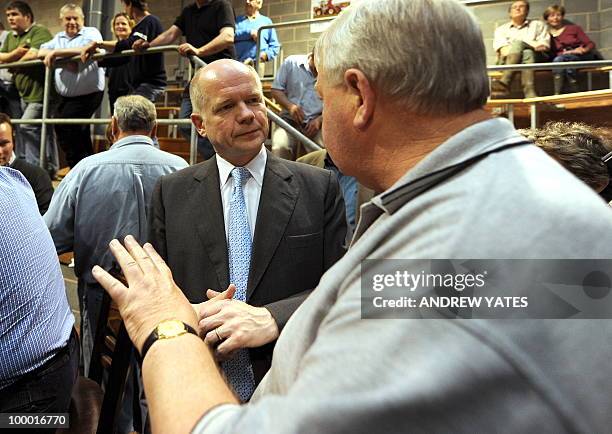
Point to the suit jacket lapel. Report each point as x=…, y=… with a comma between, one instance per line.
x=205, y=196
x=276, y=204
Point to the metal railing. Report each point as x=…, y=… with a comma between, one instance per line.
x=551, y=65
x=309, y=144
x=44, y=121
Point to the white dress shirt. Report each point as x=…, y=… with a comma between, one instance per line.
x=252, y=188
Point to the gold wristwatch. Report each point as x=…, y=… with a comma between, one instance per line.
x=167, y=329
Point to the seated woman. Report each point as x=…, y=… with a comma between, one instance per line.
x=569, y=43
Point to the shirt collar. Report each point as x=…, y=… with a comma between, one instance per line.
x=304, y=64
x=525, y=24
x=13, y=158
x=64, y=35
x=130, y=140
x=256, y=167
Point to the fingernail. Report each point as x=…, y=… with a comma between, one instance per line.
x=95, y=269
x=114, y=242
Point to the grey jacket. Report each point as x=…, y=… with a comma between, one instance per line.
x=335, y=372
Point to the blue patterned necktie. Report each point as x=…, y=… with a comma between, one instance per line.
x=238, y=369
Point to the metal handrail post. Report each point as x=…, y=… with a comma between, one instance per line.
x=193, y=139
x=193, y=146
x=45, y=111
x=279, y=25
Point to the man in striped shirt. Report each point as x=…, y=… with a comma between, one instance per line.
x=39, y=350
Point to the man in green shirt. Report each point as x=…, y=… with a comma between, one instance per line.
x=22, y=44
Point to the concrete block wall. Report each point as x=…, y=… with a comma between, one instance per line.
x=595, y=17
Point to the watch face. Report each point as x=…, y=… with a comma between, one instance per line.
x=170, y=329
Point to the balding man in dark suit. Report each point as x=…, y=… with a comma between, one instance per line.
x=271, y=227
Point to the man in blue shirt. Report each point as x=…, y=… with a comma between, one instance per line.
x=80, y=85
x=105, y=196
x=294, y=89
x=245, y=39
x=39, y=350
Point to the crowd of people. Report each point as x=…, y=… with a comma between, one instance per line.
x=209, y=27
x=523, y=40
x=243, y=276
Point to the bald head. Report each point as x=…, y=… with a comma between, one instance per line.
x=228, y=108
x=212, y=74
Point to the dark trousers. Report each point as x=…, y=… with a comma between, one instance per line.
x=75, y=140
x=48, y=388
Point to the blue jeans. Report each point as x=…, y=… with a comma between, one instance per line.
x=205, y=148
x=570, y=58
x=28, y=139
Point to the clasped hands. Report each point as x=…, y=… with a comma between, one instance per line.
x=227, y=324
x=152, y=297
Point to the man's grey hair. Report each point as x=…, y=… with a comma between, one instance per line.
x=71, y=7
x=428, y=55
x=198, y=98
x=134, y=113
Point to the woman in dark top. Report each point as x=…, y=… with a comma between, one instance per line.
x=148, y=74
x=569, y=43
x=118, y=72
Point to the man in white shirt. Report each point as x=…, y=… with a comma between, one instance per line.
x=521, y=40
x=80, y=86
x=292, y=220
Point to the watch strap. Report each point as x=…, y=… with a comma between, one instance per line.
x=154, y=337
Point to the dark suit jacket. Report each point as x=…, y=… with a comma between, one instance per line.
x=299, y=234
x=39, y=180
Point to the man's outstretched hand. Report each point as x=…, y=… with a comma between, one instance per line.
x=151, y=296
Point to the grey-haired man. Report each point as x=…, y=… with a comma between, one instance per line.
x=105, y=196
x=453, y=183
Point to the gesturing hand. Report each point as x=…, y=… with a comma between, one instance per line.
x=151, y=296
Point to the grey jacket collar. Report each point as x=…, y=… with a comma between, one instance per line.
x=477, y=140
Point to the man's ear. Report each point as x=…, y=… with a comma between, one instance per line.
x=154, y=131
x=360, y=87
x=198, y=122
x=114, y=128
